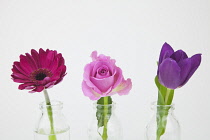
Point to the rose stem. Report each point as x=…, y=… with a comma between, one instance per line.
x=105, y=136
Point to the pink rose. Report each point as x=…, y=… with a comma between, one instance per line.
x=103, y=78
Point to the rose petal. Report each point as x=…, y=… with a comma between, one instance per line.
x=123, y=88
x=98, y=64
x=169, y=73
x=86, y=76
x=118, y=77
x=103, y=84
x=89, y=92
x=94, y=55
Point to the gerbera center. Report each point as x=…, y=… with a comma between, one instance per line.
x=40, y=74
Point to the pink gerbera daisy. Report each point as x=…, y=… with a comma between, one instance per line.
x=39, y=70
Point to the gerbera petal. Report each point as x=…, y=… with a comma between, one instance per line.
x=35, y=56
x=31, y=61
x=49, y=58
x=169, y=73
x=25, y=65
x=38, y=89
x=42, y=58
x=18, y=67
x=20, y=76
x=61, y=60
x=25, y=85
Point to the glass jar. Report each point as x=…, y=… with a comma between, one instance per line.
x=52, y=124
x=104, y=125
x=163, y=125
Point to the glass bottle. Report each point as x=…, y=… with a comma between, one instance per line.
x=104, y=127
x=172, y=129
x=54, y=127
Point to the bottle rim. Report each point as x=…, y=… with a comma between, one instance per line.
x=54, y=104
x=154, y=105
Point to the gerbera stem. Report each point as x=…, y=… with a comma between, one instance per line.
x=104, y=135
x=52, y=135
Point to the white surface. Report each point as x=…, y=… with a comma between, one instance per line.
x=132, y=32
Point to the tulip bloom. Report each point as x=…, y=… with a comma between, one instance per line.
x=175, y=68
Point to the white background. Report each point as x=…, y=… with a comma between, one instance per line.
x=132, y=32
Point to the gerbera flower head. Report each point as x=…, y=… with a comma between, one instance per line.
x=39, y=70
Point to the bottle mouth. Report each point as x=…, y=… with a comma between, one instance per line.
x=53, y=104
x=154, y=106
x=113, y=105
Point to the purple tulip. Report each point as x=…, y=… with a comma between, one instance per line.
x=175, y=68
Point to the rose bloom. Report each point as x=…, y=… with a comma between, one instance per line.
x=39, y=70
x=103, y=78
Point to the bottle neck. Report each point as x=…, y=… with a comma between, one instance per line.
x=163, y=108
x=100, y=107
x=55, y=106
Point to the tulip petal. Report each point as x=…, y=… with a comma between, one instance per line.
x=179, y=56
x=166, y=52
x=195, y=63
x=169, y=73
x=185, y=66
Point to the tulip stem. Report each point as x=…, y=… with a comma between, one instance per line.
x=167, y=95
x=52, y=135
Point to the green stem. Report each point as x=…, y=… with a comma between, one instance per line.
x=165, y=97
x=104, y=135
x=52, y=135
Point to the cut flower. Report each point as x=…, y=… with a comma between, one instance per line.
x=175, y=68
x=103, y=78
x=39, y=70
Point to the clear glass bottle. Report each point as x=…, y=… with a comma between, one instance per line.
x=172, y=129
x=109, y=124
x=54, y=127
